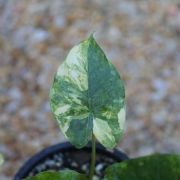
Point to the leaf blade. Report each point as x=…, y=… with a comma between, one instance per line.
x=1, y=160
x=87, y=86
x=153, y=167
x=52, y=175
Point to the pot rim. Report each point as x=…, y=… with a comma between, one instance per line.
x=41, y=155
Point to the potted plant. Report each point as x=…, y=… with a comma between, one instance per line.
x=88, y=101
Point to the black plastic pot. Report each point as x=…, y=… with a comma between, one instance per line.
x=72, y=157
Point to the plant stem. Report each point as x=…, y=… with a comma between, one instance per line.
x=93, y=157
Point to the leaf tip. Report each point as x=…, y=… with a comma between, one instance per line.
x=91, y=37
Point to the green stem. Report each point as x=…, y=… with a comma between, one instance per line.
x=93, y=158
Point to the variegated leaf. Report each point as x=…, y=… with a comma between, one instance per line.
x=87, y=96
x=1, y=160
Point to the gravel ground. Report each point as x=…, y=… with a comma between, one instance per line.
x=140, y=37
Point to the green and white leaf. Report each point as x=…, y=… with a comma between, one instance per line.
x=62, y=175
x=1, y=160
x=154, y=167
x=88, y=96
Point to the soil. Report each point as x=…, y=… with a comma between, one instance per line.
x=79, y=161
